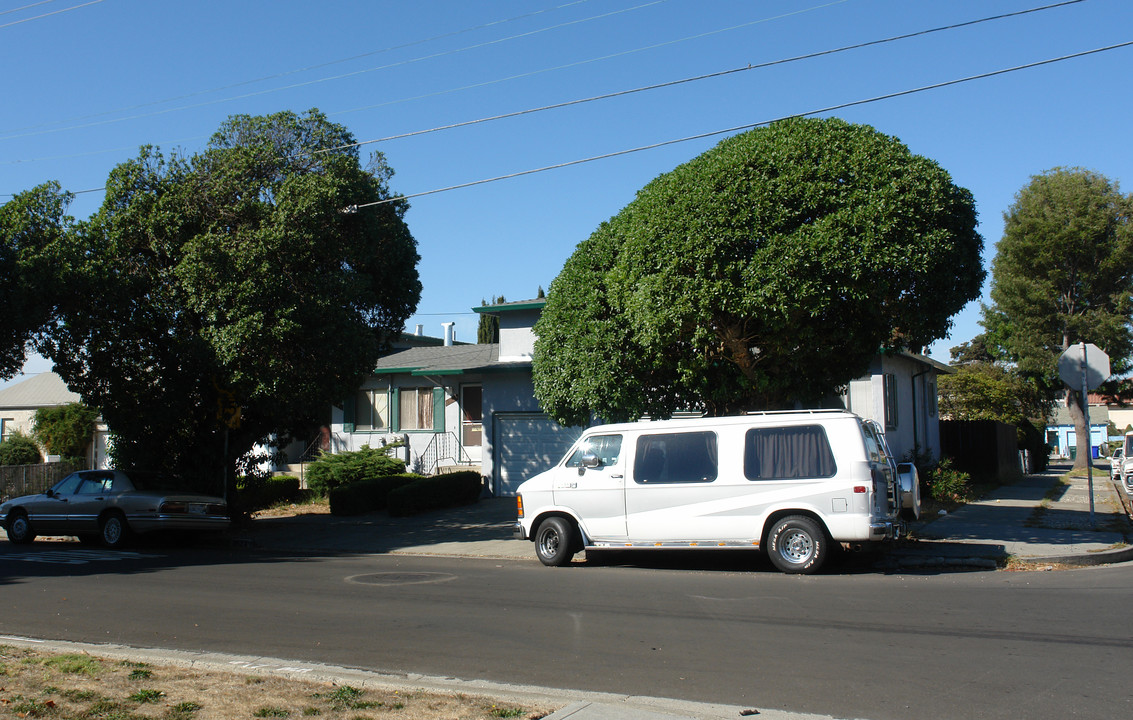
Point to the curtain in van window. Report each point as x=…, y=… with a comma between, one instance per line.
x=788, y=453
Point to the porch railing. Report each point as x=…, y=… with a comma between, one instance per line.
x=443, y=446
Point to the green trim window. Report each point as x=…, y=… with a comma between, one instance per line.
x=421, y=409
x=371, y=410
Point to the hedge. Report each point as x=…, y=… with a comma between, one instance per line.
x=342, y=469
x=260, y=494
x=433, y=493
x=368, y=495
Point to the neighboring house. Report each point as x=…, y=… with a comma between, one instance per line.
x=1062, y=437
x=899, y=393
x=19, y=402
x=474, y=405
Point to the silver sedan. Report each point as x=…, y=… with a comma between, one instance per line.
x=108, y=506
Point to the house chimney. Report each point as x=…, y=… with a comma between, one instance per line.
x=420, y=330
x=449, y=334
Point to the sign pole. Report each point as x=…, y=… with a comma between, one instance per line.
x=1089, y=438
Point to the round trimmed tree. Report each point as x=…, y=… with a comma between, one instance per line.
x=765, y=273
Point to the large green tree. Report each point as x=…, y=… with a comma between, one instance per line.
x=989, y=391
x=1062, y=275
x=29, y=222
x=240, y=277
x=766, y=272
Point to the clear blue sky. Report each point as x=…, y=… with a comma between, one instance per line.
x=85, y=83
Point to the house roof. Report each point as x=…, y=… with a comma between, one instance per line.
x=536, y=304
x=934, y=364
x=445, y=360
x=44, y=389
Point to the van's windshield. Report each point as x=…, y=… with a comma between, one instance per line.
x=607, y=447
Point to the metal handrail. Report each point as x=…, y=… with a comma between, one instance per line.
x=440, y=448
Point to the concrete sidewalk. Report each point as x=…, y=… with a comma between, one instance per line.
x=1036, y=520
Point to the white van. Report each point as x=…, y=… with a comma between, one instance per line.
x=790, y=483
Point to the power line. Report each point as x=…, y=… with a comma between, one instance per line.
x=20, y=134
x=26, y=7
x=38, y=17
x=721, y=73
x=713, y=75
x=738, y=128
x=611, y=56
x=309, y=67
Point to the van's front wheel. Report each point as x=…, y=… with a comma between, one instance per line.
x=797, y=544
x=555, y=542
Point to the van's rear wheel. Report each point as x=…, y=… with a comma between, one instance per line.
x=797, y=544
x=555, y=541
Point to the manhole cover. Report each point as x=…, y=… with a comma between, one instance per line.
x=400, y=578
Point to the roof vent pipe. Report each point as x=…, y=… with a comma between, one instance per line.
x=449, y=334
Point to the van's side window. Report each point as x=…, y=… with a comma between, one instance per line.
x=676, y=458
x=788, y=453
x=606, y=447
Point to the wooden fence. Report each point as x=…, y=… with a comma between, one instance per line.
x=17, y=480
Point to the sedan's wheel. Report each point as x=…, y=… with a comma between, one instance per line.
x=19, y=529
x=554, y=541
x=114, y=530
x=797, y=544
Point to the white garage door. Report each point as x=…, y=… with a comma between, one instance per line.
x=525, y=445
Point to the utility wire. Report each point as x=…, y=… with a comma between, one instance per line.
x=38, y=17
x=830, y=108
x=342, y=76
x=611, y=56
x=707, y=76
x=26, y=7
x=304, y=69
x=671, y=83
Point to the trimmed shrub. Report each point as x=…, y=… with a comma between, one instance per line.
x=260, y=493
x=19, y=449
x=433, y=493
x=342, y=469
x=368, y=495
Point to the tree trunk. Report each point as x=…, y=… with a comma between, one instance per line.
x=1074, y=405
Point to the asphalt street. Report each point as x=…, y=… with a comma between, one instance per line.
x=863, y=644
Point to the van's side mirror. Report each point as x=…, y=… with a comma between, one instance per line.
x=590, y=460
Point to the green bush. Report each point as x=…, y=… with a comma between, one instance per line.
x=259, y=493
x=368, y=495
x=947, y=484
x=19, y=449
x=335, y=471
x=433, y=493
x=66, y=430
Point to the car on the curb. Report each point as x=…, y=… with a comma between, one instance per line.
x=108, y=507
x=1115, y=461
x=1125, y=467
x=790, y=484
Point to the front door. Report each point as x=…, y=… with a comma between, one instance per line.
x=472, y=420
